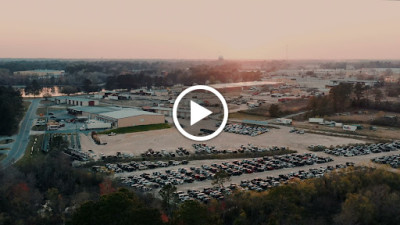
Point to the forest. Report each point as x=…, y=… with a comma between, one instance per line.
x=344, y=97
x=11, y=110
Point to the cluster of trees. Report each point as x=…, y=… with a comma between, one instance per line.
x=362, y=64
x=11, y=110
x=45, y=189
x=345, y=96
x=200, y=74
x=359, y=196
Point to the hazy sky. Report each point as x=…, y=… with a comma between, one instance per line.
x=348, y=29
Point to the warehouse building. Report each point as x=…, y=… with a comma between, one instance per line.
x=182, y=113
x=117, y=116
x=130, y=117
x=75, y=101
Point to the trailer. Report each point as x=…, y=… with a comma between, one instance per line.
x=93, y=124
x=349, y=128
x=316, y=120
x=284, y=121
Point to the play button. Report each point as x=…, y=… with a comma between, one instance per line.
x=197, y=112
x=204, y=112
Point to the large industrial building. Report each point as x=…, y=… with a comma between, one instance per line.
x=117, y=116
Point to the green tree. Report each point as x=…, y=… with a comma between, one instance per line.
x=378, y=95
x=69, y=90
x=87, y=84
x=33, y=88
x=119, y=208
x=220, y=178
x=11, y=110
x=340, y=96
x=359, y=91
x=46, y=96
x=192, y=213
x=274, y=110
x=167, y=194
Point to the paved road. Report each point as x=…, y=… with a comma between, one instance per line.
x=22, y=139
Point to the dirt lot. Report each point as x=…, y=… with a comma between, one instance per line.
x=170, y=139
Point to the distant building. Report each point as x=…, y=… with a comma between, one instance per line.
x=370, y=83
x=182, y=113
x=75, y=101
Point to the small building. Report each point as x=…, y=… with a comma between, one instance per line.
x=89, y=111
x=284, y=121
x=182, y=113
x=75, y=101
x=316, y=120
x=162, y=92
x=255, y=122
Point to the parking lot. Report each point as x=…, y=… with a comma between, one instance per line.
x=170, y=139
x=189, y=173
x=363, y=149
x=245, y=129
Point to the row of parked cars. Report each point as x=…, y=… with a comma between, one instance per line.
x=256, y=184
x=143, y=165
x=363, y=149
x=392, y=160
x=164, y=153
x=205, y=149
x=233, y=168
x=245, y=129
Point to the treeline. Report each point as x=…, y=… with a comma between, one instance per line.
x=11, y=110
x=21, y=65
x=361, y=64
x=358, y=196
x=343, y=97
x=201, y=74
x=47, y=190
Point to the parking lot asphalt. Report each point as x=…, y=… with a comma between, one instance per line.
x=199, y=185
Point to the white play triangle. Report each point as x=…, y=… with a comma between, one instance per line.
x=197, y=113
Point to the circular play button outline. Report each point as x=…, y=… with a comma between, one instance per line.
x=175, y=114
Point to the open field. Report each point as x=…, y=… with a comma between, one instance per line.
x=32, y=149
x=171, y=139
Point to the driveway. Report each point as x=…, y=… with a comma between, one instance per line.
x=22, y=138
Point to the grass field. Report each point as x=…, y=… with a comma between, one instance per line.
x=124, y=130
x=41, y=111
x=2, y=156
x=39, y=128
x=6, y=141
x=37, y=149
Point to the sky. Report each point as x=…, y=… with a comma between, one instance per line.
x=203, y=29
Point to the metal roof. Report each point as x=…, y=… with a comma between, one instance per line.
x=94, y=109
x=255, y=122
x=127, y=112
x=74, y=98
